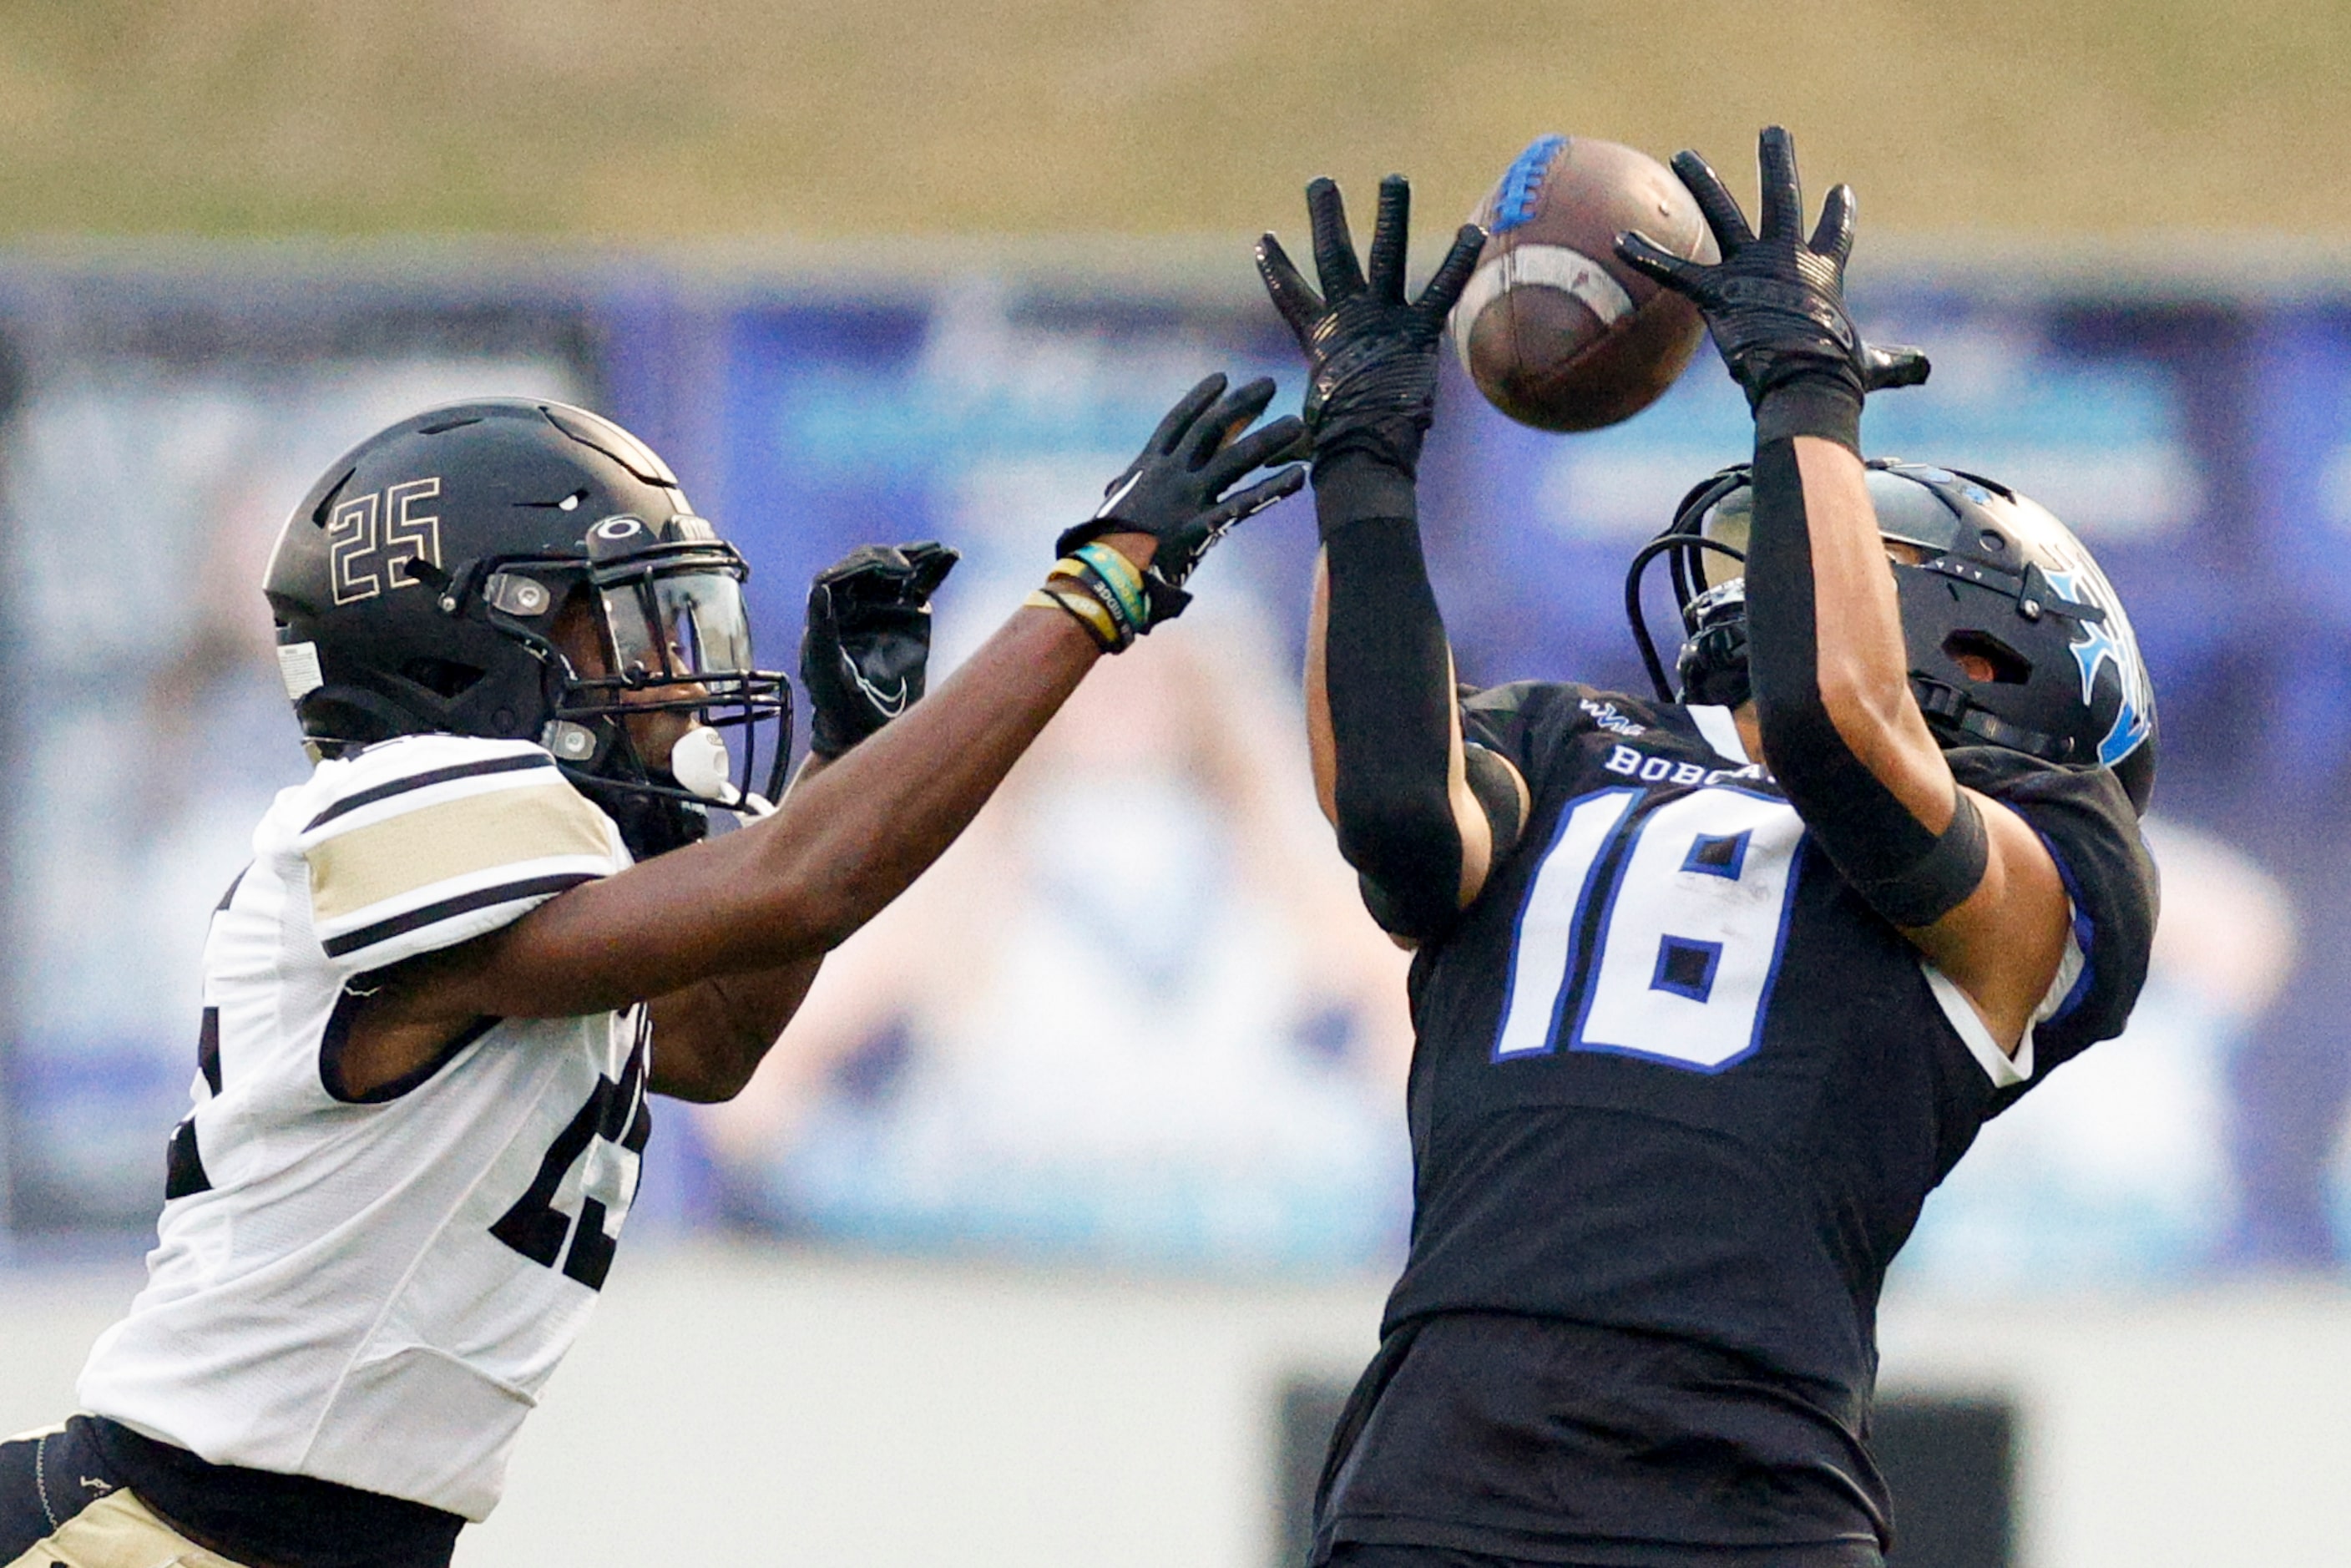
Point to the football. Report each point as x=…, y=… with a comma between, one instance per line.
x=1554, y=328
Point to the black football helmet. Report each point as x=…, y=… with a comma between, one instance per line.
x=417, y=587
x=1998, y=577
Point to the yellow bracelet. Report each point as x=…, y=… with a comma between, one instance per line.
x=1082, y=609
x=1118, y=573
x=1109, y=563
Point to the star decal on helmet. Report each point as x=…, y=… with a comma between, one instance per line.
x=2097, y=646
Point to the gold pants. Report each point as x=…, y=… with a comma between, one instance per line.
x=116, y=1530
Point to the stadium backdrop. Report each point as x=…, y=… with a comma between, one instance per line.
x=161, y=417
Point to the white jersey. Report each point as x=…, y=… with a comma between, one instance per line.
x=371, y=1290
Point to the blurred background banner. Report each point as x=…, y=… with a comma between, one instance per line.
x=1061, y=1215
x=1200, y=1070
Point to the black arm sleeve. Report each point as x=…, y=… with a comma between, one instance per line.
x=1388, y=674
x=1908, y=873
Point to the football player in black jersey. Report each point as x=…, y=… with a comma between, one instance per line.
x=1709, y=993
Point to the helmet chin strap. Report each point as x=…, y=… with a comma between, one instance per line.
x=1958, y=715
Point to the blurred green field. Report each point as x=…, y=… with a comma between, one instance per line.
x=625, y=119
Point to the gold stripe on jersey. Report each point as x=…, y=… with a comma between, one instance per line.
x=460, y=838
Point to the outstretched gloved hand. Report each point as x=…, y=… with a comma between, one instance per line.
x=1370, y=354
x=1775, y=303
x=1176, y=493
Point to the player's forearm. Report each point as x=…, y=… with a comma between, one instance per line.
x=787, y=890
x=849, y=840
x=1862, y=663
x=1830, y=673
x=1818, y=585
x=1398, y=791
x=710, y=1038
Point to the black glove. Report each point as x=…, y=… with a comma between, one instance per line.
x=1775, y=304
x=1175, y=491
x=1371, y=356
x=868, y=642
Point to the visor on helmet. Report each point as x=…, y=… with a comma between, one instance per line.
x=1907, y=514
x=684, y=625
x=677, y=640
x=1726, y=523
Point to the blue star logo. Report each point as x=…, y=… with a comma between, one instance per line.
x=2095, y=647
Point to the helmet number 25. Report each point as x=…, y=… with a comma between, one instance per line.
x=368, y=538
x=1654, y=933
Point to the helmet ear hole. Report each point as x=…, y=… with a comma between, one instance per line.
x=2008, y=667
x=444, y=678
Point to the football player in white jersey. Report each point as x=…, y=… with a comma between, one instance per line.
x=494, y=919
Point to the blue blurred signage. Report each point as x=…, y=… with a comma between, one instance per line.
x=1223, y=1089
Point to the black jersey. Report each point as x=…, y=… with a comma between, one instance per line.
x=1677, y=1098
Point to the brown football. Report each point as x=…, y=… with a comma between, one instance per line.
x=1556, y=330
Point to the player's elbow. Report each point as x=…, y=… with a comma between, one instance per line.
x=804, y=896
x=1408, y=846
x=1419, y=915
x=718, y=1077
x=704, y=1087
